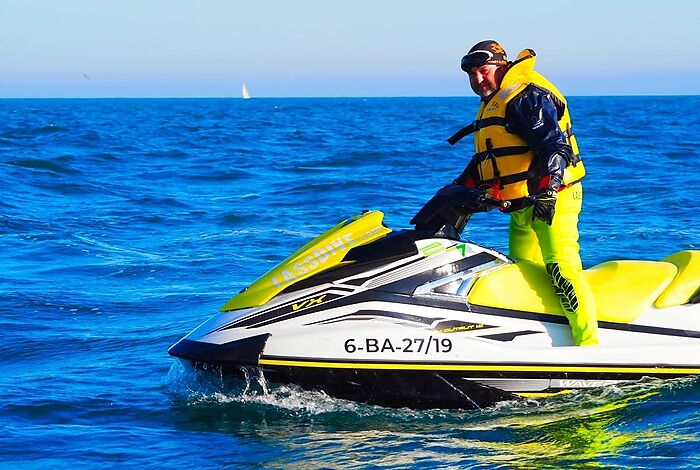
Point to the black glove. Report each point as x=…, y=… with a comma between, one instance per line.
x=448, y=204
x=543, y=208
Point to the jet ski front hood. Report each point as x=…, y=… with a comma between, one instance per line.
x=323, y=252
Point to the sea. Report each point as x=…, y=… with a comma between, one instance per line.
x=124, y=223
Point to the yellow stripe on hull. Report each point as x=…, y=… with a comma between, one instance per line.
x=484, y=367
x=542, y=394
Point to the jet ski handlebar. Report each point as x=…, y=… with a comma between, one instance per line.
x=451, y=207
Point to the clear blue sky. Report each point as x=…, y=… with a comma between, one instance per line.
x=327, y=48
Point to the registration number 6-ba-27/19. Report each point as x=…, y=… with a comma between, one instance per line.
x=405, y=345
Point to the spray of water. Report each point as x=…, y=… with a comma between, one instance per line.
x=211, y=386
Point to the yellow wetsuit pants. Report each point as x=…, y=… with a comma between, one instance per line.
x=557, y=248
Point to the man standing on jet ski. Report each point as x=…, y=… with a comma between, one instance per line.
x=526, y=153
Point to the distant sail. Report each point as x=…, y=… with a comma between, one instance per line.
x=244, y=92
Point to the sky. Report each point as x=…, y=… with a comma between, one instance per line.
x=308, y=48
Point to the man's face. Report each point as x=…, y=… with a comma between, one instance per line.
x=486, y=80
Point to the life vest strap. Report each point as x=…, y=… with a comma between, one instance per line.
x=475, y=126
x=501, y=152
x=568, y=132
x=568, y=185
x=575, y=158
x=508, y=179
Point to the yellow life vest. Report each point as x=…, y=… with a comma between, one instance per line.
x=503, y=158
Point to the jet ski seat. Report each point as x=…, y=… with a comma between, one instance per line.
x=685, y=287
x=623, y=289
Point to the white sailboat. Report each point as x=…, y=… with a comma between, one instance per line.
x=245, y=93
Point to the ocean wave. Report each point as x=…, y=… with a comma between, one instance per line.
x=232, y=219
x=167, y=154
x=30, y=132
x=141, y=200
x=59, y=165
x=226, y=175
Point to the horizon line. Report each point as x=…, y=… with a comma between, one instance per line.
x=649, y=95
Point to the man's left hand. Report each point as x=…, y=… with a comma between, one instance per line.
x=543, y=208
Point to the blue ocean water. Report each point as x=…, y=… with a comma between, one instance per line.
x=125, y=223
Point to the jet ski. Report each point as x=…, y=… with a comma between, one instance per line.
x=421, y=318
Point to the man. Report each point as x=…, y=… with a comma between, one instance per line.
x=527, y=154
